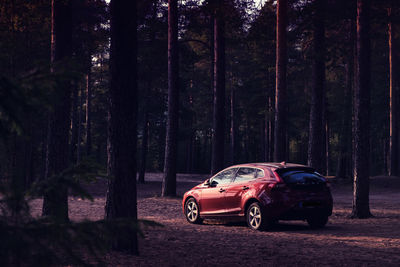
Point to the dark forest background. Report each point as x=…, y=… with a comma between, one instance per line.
x=250, y=83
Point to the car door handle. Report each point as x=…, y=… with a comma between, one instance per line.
x=245, y=187
x=222, y=190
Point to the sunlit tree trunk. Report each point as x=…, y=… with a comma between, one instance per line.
x=121, y=195
x=280, y=91
x=55, y=201
x=394, y=91
x=362, y=113
x=171, y=144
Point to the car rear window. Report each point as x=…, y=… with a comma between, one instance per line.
x=301, y=176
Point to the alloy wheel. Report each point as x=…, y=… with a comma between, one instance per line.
x=192, y=211
x=255, y=217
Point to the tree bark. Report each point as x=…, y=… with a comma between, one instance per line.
x=268, y=125
x=171, y=144
x=362, y=115
x=316, y=155
x=326, y=143
x=233, y=126
x=344, y=155
x=55, y=201
x=265, y=138
x=121, y=195
x=271, y=125
x=344, y=163
x=394, y=91
x=280, y=91
x=89, y=108
x=79, y=136
x=191, y=139
x=189, y=153
x=74, y=123
x=217, y=155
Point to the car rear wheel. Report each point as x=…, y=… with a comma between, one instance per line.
x=316, y=222
x=255, y=217
x=192, y=211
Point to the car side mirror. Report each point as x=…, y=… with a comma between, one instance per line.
x=207, y=182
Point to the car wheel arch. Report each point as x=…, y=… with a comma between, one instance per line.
x=189, y=197
x=248, y=203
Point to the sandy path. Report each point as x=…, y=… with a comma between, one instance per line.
x=344, y=241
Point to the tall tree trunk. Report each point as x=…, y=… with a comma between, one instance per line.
x=385, y=146
x=217, y=155
x=280, y=91
x=143, y=154
x=361, y=123
x=190, y=149
x=326, y=143
x=55, y=201
x=233, y=126
x=189, y=153
x=345, y=133
x=212, y=66
x=355, y=85
x=345, y=151
x=271, y=125
x=121, y=195
x=265, y=138
x=394, y=91
x=316, y=156
x=268, y=125
x=74, y=123
x=29, y=153
x=171, y=144
x=79, y=137
x=89, y=108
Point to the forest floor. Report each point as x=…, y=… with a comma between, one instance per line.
x=344, y=241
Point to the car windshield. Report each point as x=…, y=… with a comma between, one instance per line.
x=302, y=177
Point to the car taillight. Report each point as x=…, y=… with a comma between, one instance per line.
x=278, y=186
x=328, y=185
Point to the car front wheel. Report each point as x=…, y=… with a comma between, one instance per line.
x=192, y=212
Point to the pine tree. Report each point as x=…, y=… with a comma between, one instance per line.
x=121, y=195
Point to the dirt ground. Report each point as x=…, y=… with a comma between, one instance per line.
x=344, y=241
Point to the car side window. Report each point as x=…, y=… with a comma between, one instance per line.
x=246, y=174
x=224, y=177
x=260, y=173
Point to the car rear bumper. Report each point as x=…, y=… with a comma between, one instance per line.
x=297, y=213
x=299, y=210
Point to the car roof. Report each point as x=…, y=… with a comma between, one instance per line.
x=273, y=165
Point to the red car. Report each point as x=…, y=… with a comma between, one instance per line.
x=262, y=194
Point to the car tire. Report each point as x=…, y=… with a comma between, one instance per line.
x=256, y=218
x=192, y=211
x=316, y=222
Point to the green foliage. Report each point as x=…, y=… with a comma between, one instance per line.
x=27, y=240
x=12, y=107
x=85, y=171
